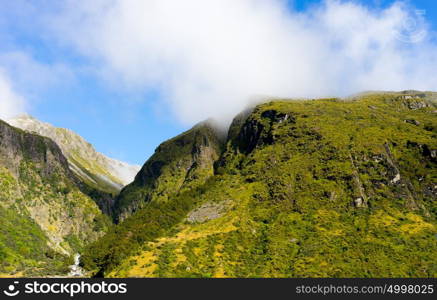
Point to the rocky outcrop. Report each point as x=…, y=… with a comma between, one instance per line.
x=257, y=130
x=208, y=211
x=16, y=145
x=415, y=100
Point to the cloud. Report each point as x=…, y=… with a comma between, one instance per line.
x=210, y=58
x=34, y=77
x=24, y=80
x=11, y=104
x=31, y=64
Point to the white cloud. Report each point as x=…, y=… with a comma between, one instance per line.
x=23, y=80
x=208, y=58
x=11, y=104
x=31, y=76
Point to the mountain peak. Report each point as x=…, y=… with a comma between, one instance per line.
x=94, y=168
x=24, y=116
x=180, y=163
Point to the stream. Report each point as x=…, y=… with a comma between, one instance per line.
x=76, y=270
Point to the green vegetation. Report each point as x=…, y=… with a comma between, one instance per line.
x=147, y=224
x=21, y=239
x=24, y=249
x=323, y=188
x=44, y=216
x=179, y=164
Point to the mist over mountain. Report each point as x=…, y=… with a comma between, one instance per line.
x=210, y=58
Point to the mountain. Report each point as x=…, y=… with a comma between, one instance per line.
x=44, y=216
x=317, y=188
x=93, y=168
x=179, y=164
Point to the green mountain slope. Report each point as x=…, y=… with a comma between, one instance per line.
x=44, y=216
x=179, y=164
x=323, y=188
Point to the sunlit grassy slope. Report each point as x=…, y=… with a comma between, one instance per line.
x=323, y=188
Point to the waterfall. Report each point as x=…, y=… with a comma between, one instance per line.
x=76, y=270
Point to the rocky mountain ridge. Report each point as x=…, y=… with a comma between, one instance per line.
x=97, y=170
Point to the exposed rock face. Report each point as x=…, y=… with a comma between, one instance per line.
x=16, y=145
x=206, y=212
x=259, y=131
x=95, y=169
x=251, y=129
x=415, y=100
x=177, y=164
x=414, y=122
x=38, y=186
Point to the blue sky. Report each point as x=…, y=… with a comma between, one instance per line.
x=74, y=82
